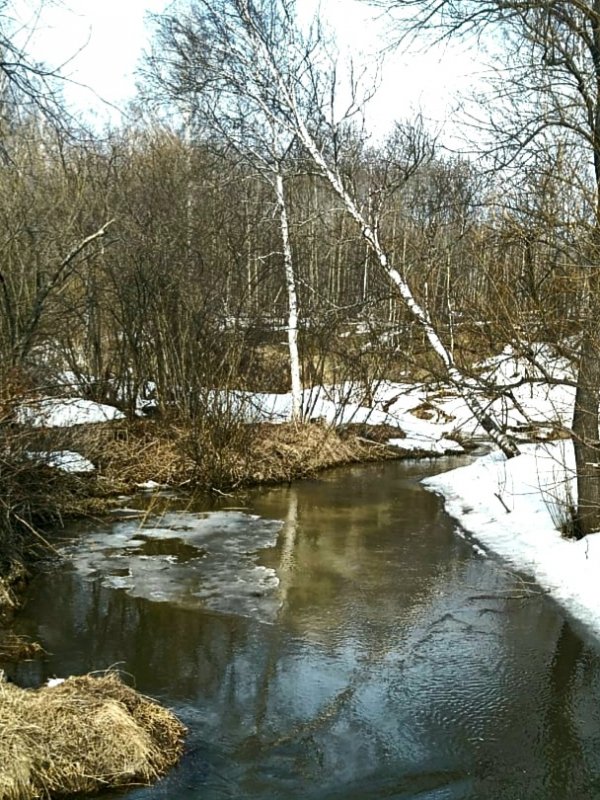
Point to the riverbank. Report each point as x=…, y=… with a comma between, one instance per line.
x=520, y=510
x=85, y=463
x=76, y=457
x=85, y=469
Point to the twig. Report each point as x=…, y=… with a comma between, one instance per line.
x=37, y=534
x=499, y=496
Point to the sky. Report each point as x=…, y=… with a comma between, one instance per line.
x=98, y=44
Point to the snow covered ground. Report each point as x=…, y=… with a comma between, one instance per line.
x=65, y=460
x=516, y=508
x=51, y=412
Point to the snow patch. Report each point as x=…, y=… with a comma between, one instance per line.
x=65, y=460
x=63, y=413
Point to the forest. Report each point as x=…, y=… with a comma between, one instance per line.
x=243, y=232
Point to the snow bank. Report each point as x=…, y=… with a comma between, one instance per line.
x=517, y=393
x=341, y=405
x=513, y=508
x=65, y=460
x=62, y=413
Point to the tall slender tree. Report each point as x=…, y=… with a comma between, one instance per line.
x=200, y=61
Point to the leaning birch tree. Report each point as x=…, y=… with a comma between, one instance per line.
x=543, y=93
x=294, y=81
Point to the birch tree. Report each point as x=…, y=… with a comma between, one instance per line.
x=295, y=82
x=201, y=61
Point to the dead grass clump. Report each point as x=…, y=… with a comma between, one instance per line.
x=285, y=452
x=225, y=453
x=86, y=734
x=430, y=412
x=135, y=452
x=373, y=433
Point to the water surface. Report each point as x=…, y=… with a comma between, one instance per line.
x=332, y=639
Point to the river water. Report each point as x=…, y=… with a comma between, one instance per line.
x=332, y=639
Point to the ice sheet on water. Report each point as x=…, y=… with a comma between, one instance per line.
x=205, y=560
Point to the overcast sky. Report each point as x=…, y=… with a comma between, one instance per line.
x=99, y=44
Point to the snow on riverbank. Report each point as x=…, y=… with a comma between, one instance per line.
x=513, y=508
x=53, y=412
x=65, y=460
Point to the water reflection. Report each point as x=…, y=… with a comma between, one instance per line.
x=398, y=664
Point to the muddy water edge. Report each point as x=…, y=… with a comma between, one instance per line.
x=335, y=638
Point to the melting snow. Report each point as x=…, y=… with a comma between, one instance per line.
x=514, y=508
x=65, y=460
x=62, y=413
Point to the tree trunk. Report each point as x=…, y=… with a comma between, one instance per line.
x=585, y=417
x=290, y=283
x=293, y=116
x=467, y=388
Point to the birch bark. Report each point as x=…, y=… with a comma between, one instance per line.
x=292, y=297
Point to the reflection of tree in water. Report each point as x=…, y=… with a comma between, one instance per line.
x=167, y=649
x=357, y=560
x=356, y=583
x=561, y=735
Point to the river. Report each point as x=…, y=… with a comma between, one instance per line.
x=332, y=639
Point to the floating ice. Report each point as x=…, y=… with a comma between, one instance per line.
x=204, y=560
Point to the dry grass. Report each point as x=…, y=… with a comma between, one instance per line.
x=88, y=733
x=221, y=456
x=286, y=452
x=12, y=585
x=134, y=452
x=262, y=453
x=18, y=648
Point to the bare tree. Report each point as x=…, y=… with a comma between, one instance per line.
x=201, y=62
x=27, y=87
x=295, y=82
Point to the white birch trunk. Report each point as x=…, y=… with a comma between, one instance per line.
x=466, y=387
x=290, y=283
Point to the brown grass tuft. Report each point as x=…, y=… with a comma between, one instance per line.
x=285, y=452
x=19, y=648
x=88, y=733
x=133, y=452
